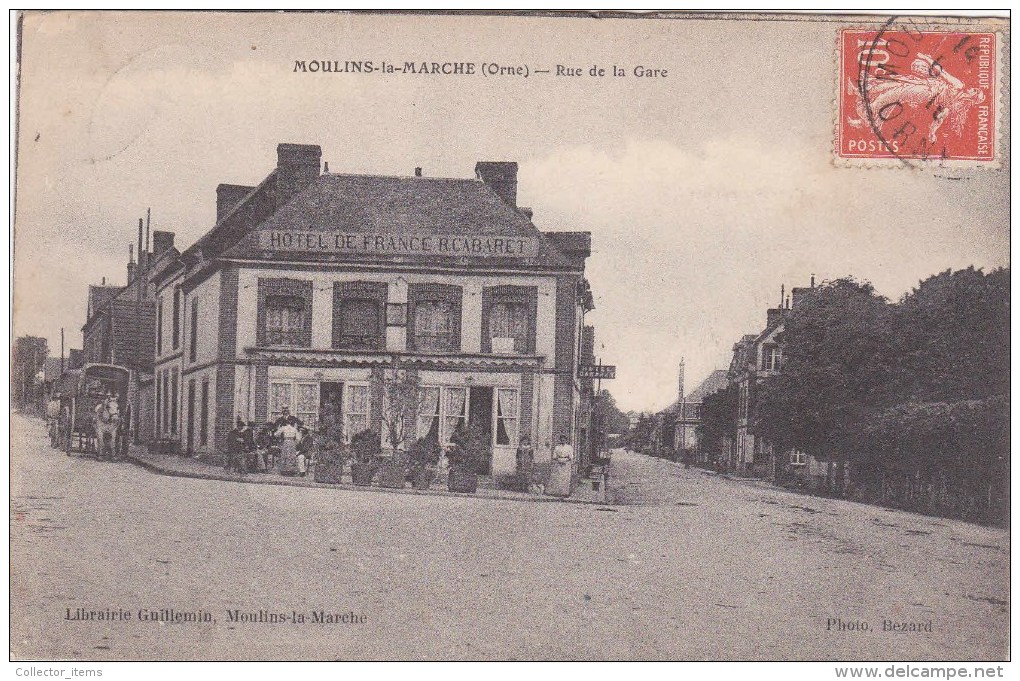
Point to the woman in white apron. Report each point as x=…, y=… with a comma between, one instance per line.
x=562, y=469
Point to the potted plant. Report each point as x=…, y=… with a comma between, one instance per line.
x=423, y=458
x=469, y=450
x=393, y=471
x=365, y=449
x=329, y=461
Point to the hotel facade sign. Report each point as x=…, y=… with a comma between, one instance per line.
x=455, y=245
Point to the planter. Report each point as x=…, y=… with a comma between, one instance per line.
x=362, y=473
x=392, y=476
x=330, y=473
x=423, y=478
x=462, y=480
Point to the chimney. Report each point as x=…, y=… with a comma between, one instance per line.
x=501, y=176
x=161, y=242
x=297, y=166
x=227, y=196
x=773, y=316
x=526, y=212
x=131, y=263
x=812, y=281
x=417, y=171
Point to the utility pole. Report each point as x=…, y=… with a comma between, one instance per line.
x=61, y=351
x=139, y=278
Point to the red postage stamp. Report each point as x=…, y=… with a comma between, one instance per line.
x=913, y=94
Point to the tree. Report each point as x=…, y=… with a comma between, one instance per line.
x=838, y=357
x=608, y=415
x=718, y=418
x=952, y=333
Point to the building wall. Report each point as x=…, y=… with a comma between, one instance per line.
x=322, y=304
x=207, y=294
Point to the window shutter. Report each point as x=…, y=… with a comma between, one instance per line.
x=299, y=288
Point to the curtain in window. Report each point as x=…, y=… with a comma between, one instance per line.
x=356, y=418
x=509, y=320
x=307, y=407
x=433, y=325
x=279, y=397
x=506, y=417
x=428, y=413
x=285, y=320
x=456, y=410
x=359, y=323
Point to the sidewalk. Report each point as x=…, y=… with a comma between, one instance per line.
x=187, y=467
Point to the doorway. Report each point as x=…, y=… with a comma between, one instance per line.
x=480, y=415
x=331, y=401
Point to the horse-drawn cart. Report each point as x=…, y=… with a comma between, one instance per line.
x=93, y=404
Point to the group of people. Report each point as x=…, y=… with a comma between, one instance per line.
x=286, y=438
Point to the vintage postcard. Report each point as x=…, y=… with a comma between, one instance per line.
x=511, y=336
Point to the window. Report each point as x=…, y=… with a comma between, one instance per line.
x=434, y=317
x=455, y=410
x=159, y=332
x=300, y=399
x=771, y=357
x=356, y=403
x=173, y=400
x=508, y=319
x=166, y=400
x=285, y=320
x=203, y=419
x=159, y=402
x=506, y=417
x=428, y=413
x=433, y=325
x=306, y=407
x=743, y=402
x=508, y=327
x=193, y=343
x=177, y=318
x=359, y=324
x=798, y=458
x=279, y=397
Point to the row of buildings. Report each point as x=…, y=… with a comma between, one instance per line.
x=311, y=286
x=755, y=358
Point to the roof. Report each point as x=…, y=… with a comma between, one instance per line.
x=716, y=381
x=406, y=206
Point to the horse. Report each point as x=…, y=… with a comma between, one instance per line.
x=107, y=423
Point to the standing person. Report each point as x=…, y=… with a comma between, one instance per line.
x=525, y=465
x=304, y=449
x=289, y=436
x=235, y=448
x=53, y=419
x=562, y=469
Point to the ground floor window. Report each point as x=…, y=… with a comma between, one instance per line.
x=506, y=417
x=356, y=408
x=300, y=399
x=798, y=458
x=443, y=409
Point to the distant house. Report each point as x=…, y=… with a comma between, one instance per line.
x=756, y=358
x=688, y=413
x=120, y=325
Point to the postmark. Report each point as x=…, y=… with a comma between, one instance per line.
x=917, y=94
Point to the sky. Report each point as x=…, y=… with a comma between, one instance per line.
x=704, y=190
